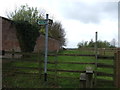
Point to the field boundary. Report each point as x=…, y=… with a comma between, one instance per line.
x=99, y=65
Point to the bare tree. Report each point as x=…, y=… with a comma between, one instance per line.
x=58, y=32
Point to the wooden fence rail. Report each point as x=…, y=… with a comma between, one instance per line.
x=105, y=57
x=104, y=65
x=76, y=55
x=61, y=70
x=92, y=55
x=58, y=62
x=51, y=62
x=104, y=74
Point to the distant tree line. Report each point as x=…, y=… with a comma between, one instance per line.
x=25, y=18
x=91, y=44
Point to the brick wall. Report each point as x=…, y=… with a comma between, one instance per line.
x=117, y=69
x=53, y=45
x=9, y=38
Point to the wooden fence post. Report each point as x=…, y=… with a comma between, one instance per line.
x=13, y=51
x=12, y=70
x=89, y=77
x=82, y=80
x=56, y=63
x=3, y=52
x=114, y=78
x=96, y=56
x=40, y=59
x=117, y=69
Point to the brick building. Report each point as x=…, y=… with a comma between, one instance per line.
x=9, y=41
x=53, y=45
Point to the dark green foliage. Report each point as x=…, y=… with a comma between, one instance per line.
x=27, y=35
x=103, y=44
x=100, y=44
x=82, y=44
x=91, y=44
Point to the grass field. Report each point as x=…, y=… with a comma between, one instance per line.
x=34, y=81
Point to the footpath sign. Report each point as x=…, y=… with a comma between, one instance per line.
x=42, y=22
x=45, y=23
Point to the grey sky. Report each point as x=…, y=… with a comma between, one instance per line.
x=89, y=13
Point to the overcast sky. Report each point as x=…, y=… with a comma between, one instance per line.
x=80, y=18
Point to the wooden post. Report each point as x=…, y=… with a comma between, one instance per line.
x=89, y=77
x=117, y=69
x=13, y=53
x=96, y=56
x=3, y=52
x=56, y=63
x=82, y=80
x=104, y=51
x=114, y=78
x=40, y=61
x=55, y=67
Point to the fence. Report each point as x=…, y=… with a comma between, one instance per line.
x=53, y=71
x=101, y=51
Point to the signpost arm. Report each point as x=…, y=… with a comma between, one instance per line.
x=46, y=49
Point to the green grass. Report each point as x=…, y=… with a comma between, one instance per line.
x=24, y=64
x=106, y=61
x=106, y=70
x=25, y=81
x=35, y=82
x=75, y=59
x=88, y=52
x=77, y=52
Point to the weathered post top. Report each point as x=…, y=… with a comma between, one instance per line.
x=89, y=69
x=83, y=76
